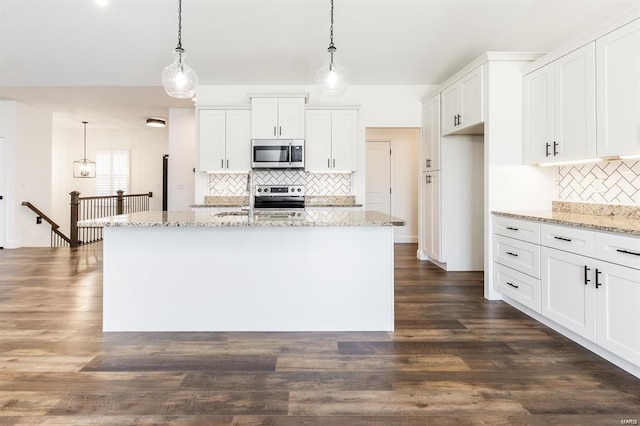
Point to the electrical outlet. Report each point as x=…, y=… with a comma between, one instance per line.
x=38, y=220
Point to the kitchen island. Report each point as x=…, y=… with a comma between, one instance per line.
x=203, y=271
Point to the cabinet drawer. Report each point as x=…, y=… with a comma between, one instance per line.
x=620, y=249
x=516, y=254
x=515, y=228
x=573, y=240
x=518, y=286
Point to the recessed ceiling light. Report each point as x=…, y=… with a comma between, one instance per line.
x=103, y=3
x=156, y=122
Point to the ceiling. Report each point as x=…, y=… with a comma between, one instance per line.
x=103, y=64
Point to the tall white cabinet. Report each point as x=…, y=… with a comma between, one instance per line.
x=450, y=197
x=429, y=225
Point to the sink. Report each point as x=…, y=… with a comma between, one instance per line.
x=241, y=213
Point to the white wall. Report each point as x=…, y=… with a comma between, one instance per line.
x=182, y=159
x=405, y=144
x=147, y=146
x=27, y=133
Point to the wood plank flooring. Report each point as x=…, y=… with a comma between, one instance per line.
x=455, y=358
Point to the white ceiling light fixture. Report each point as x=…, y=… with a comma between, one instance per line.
x=103, y=3
x=84, y=168
x=178, y=79
x=156, y=122
x=331, y=77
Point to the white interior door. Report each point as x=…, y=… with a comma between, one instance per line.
x=379, y=176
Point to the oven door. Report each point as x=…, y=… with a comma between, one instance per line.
x=279, y=202
x=270, y=154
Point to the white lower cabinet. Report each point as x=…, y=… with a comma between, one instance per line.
x=589, y=281
x=568, y=296
x=617, y=301
x=520, y=287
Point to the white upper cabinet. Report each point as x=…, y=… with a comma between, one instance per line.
x=618, y=85
x=431, y=134
x=331, y=142
x=224, y=140
x=560, y=109
x=277, y=118
x=462, y=105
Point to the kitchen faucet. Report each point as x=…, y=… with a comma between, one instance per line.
x=250, y=188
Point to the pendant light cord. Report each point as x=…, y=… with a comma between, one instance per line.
x=179, y=46
x=85, y=140
x=332, y=47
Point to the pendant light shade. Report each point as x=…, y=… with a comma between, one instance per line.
x=178, y=79
x=84, y=168
x=331, y=77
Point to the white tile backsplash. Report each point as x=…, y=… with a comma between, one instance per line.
x=315, y=183
x=611, y=182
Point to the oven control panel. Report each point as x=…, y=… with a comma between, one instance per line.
x=279, y=190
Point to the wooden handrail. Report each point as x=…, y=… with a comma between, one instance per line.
x=106, y=197
x=54, y=226
x=42, y=215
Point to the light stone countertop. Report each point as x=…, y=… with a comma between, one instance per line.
x=204, y=218
x=608, y=223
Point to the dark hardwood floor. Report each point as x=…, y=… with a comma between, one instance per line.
x=455, y=358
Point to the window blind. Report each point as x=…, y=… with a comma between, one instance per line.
x=112, y=171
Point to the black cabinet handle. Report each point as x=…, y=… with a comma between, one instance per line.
x=222, y=163
x=429, y=163
x=512, y=254
x=598, y=284
x=513, y=285
x=546, y=149
x=280, y=128
x=274, y=130
x=328, y=163
x=455, y=121
x=227, y=164
x=512, y=229
x=586, y=280
x=555, y=151
x=459, y=119
x=627, y=252
x=562, y=238
x=334, y=163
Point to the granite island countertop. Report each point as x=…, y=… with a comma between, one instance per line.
x=204, y=218
x=622, y=224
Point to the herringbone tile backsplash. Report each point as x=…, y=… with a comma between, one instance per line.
x=315, y=183
x=611, y=182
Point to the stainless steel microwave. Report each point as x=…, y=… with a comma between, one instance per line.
x=277, y=153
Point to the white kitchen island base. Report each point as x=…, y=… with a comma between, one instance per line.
x=299, y=278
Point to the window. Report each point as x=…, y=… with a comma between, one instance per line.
x=112, y=171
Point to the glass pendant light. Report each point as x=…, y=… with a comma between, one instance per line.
x=331, y=77
x=178, y=79
x=84, y=168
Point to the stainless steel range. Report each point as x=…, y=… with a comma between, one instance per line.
x=279, y=197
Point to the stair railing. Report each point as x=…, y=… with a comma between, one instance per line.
x=58, y=239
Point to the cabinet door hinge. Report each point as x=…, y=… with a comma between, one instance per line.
x=389, y=190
